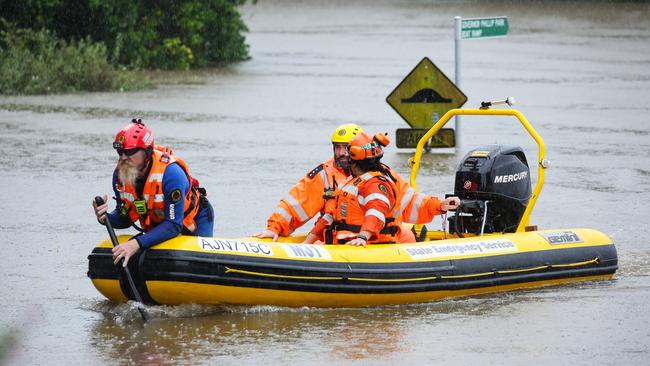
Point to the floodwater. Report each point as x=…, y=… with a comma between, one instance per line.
x=579, y=71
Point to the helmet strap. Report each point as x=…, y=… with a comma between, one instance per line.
x=355, y=168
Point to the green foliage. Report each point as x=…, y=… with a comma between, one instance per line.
x=156, y=34
x=173, y=55
x=36, y=62
x=36, y=14
x=213, y=30
x=7, y=343
x=50, y=46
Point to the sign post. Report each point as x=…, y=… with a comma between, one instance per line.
x=474, y=28
x=458, y=31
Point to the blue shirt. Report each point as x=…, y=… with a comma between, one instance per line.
x=174, y=178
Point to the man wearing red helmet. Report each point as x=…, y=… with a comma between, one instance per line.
x=154, y=187
x=367, y=206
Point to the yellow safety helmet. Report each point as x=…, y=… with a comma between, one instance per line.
x=345, y=133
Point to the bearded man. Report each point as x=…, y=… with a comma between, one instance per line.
x=154, y=187
x=315, y=191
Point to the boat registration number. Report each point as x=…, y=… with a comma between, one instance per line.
x=234, y=246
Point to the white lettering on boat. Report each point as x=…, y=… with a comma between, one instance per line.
x=510, y=177
x=234, y=246
x=306, y=251
x=561, y=237
x=461, y=249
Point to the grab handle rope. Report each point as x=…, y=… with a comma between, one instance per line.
x=341, y=278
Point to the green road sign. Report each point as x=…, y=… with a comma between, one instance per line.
x=472, y=28
x=409, y=137
x=425, y=95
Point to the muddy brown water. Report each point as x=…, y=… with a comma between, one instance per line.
x=580, y=73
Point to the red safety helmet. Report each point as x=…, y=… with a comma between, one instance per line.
x=134, y=135
x=365, y=147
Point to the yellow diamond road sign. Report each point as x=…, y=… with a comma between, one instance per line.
x=425, y=95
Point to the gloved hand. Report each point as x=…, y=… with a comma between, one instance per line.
x=100, y=211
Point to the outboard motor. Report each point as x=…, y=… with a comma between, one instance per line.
x=493, y=184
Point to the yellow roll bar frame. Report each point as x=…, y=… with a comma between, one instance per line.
x=541, y=157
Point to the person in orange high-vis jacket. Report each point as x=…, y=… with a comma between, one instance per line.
x=367, y=207
x=312, y=193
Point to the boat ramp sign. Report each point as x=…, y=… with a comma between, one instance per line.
x=473, y=28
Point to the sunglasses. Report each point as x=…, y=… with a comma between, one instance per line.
x=127, y=152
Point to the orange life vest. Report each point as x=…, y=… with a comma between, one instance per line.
x=349, y=214
x=150, y=207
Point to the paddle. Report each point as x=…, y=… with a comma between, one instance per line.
x=145, y=316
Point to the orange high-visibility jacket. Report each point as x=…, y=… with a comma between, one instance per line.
x=416, y=207
x=154, y=198
x=306, y=198
x=364, y=203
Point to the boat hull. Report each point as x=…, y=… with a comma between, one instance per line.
x=250, y=271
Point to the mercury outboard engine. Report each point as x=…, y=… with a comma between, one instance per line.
x=493, y=184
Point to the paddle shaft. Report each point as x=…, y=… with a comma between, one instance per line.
x=127, y=272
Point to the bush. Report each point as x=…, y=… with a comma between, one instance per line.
x=36, y=62
x=159, y=34
x=173, y=55
x=154, y=34
x=213, y=30
x=7, y=343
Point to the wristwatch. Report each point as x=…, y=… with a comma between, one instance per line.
x=363, y=237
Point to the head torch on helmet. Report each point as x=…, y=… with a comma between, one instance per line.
x=365, y=147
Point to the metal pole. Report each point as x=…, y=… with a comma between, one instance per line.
x=457, y=37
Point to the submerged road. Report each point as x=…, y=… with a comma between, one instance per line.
x=579, y=71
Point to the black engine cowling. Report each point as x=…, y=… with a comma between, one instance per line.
x=493, y=183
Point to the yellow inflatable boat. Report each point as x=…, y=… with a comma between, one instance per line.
x=489, y=248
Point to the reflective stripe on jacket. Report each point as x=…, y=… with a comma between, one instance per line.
x=416, y=207
x=365, y=203
x=153, y=196
x=306, y=198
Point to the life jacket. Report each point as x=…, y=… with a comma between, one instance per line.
x=150, y=207
x=349, y=214
x=332, y=174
